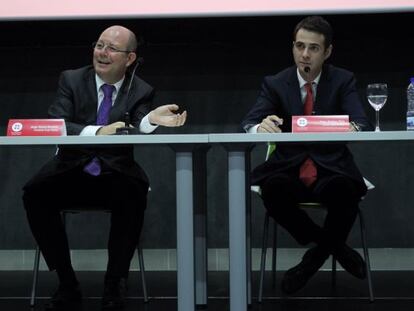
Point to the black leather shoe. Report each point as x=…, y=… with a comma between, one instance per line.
x=114, y=294
x=297, y=277
x=65, y=298
x=351, y=261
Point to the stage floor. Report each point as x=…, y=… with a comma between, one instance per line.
x=393, y=291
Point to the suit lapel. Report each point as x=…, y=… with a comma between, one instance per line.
x=294, y=98
x=122, y=101
x=91, y=96
x=322, y=94
x=119, y=106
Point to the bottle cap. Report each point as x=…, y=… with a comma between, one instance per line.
x=412, y=80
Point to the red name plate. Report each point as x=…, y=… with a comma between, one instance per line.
x=36, y=127
x=339, y=123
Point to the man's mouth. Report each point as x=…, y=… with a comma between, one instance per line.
x=103, y=62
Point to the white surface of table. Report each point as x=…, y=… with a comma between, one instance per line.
x=105, y=139
x=311, y=137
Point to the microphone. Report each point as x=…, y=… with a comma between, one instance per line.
x=307, y=69
x=127, y=118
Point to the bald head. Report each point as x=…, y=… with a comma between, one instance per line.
x=114, y=53
x=117, y=30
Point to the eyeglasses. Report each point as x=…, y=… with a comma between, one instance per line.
x=111, y=49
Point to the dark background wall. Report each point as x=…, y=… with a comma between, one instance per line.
x=213, y=67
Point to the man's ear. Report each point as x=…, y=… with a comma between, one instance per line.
x=131, y=58
x=328, y=52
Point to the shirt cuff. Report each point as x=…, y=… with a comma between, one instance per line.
x=145, y=126
x=90, y=130
x=253, y=129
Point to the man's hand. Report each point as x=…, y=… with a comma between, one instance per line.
x=165, y=115
x=110, y=129
x=270, y=125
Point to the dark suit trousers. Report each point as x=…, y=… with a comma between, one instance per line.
x=123, y=196
x=283, y=191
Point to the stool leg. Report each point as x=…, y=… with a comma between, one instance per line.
x=263, y=257
x=35, y=276
x=366, y=255
x=142, y=270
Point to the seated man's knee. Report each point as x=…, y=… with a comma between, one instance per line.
x=35, y=198
x=30, y=198
x=341, y=190
x=279, y=192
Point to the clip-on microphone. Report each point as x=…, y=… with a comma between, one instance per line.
x=127, y=118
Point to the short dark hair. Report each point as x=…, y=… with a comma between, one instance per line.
x=316, y=24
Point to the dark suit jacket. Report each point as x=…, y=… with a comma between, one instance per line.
x=336, y=95
x=76, y=102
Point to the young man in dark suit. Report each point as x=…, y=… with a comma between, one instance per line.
x=319, y=172
x=93, y=100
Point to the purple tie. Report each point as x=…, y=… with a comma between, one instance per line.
x=94, y=167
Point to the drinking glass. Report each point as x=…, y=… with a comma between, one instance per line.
x=377, y=97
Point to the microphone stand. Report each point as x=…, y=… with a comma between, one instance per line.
x=127, y=118
x=125, y=130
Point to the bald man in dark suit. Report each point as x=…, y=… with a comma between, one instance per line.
x=93, y=100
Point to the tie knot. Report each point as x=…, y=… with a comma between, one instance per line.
x=308, y=87
x=107, y=89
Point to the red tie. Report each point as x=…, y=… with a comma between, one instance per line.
x=307, y=172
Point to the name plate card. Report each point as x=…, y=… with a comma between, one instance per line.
x=312, y=124
x=36, y=127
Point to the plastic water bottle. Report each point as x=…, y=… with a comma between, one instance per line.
x=410, y=105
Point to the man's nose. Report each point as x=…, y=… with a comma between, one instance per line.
x=102, y=51
x=305, y=52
